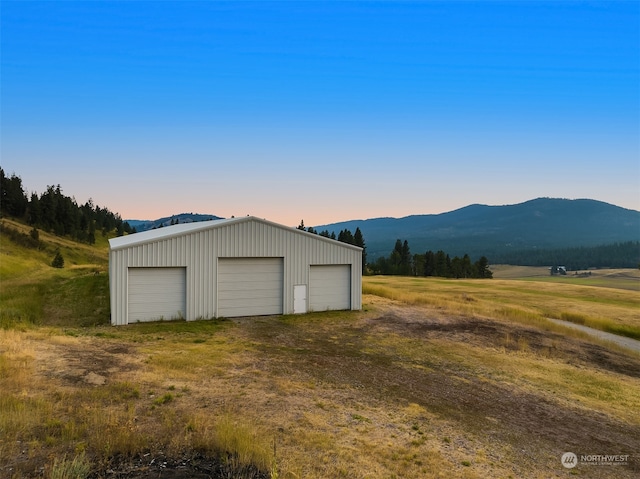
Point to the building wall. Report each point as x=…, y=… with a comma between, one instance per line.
x=199, y=251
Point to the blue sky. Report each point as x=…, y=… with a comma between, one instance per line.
x=322, y=111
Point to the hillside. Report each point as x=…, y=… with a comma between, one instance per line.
x=543, y=223
x=33, y=292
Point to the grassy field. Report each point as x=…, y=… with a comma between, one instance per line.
x=433, y=378
x=607, y=300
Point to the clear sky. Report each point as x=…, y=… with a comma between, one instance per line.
x=322, y=111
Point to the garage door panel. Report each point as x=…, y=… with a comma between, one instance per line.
x=273, y=296
x=250, y=286
x=248, y=283
x=254, y=303
x=329, y=287
x=156, y=293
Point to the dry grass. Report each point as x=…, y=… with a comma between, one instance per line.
x=446, y=379
x=605, y=308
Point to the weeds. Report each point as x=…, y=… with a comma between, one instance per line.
x=164, y=399
x=76, y=468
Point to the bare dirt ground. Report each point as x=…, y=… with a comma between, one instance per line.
x=337, y=401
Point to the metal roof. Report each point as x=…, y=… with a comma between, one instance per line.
x=166, y=232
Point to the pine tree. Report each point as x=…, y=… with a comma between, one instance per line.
x=405, y=258
x=482, y=268
x=358, y=240
x=58, y=260
x=429, y=263
x=13, y=199
x=345, y=236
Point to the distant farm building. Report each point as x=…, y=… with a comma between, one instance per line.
x=230, y=268
x=558, y=270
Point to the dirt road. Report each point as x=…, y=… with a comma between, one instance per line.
x=625, y=342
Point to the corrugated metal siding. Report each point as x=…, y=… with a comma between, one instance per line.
x=198, y=251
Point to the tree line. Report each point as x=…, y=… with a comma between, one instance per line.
x=344, y=236
x=55, y=212
x=617, y=255
x=439, y=263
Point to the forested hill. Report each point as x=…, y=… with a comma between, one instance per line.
x=500, y=231
x=57, y=213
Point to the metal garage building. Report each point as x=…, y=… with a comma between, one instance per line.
x=229, y=268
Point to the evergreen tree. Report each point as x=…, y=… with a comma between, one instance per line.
x=58, y=260
x=91, y=237
x=405, y=259
x=441, y=268
x=429, y=263
x=358, y=240
x=34, y=216
x=418, y=264
x=482, y=268
x=394, y=265
x=456, y=270
x=467, y=267
x=345, y=236
x=13, y=200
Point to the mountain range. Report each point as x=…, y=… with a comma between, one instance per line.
x=481, y=230
x=144, y=225
x=542, y=223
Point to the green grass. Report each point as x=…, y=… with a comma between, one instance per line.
x=32, y=292
x=77, y=468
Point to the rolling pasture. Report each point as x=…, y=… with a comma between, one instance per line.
x=433, y=378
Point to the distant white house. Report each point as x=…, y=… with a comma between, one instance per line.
x=229, y=268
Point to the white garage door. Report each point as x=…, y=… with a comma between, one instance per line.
x=250, y=286
x=330, y=287
x=157, y=293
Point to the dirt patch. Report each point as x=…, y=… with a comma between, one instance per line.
x=91, y=361
x=513, y=337
x=189, y=465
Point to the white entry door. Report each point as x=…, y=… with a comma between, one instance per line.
x=299, y=298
